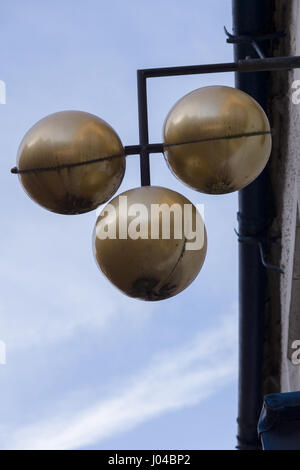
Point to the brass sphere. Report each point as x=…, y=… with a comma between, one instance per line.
x=149, y=268
x=217, y=139
x=60, y=164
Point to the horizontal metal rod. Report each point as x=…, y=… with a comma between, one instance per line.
x=136, y=149
x=245, y=65
x=128, y=150
x=159, y=148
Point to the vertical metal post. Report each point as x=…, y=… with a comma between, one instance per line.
x=143, y=128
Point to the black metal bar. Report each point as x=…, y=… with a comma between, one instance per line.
x=240, y=65
x=136, y=149
x=252, y=17
x=143, y=128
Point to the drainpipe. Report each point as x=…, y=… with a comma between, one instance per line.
x=251, y=17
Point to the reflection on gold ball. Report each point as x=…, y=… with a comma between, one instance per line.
x=217, y=139
x=138, y=264
x=55, y=150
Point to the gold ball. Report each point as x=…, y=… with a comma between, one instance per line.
x=60, y=164
x=217, y=139
x=140, y=265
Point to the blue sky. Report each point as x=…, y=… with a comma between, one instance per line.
x=86, y=366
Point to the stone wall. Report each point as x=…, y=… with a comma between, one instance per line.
x=283, y=309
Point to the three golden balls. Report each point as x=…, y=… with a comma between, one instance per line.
x=150, y=242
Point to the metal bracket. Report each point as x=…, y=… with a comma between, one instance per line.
x=260, y=241
x=245, y=65
x=253, y=40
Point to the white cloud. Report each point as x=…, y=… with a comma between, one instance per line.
x=173, y=380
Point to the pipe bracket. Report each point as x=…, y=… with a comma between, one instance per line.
x=260, y=241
